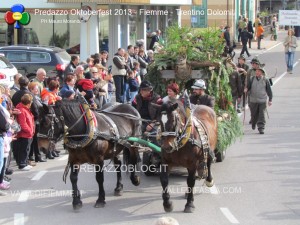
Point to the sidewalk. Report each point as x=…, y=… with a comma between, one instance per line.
x=266, y=43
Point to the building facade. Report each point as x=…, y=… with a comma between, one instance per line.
x=116, y=23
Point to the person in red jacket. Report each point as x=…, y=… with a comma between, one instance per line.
x=87, y=86
x=24, y=137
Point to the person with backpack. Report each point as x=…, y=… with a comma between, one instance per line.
x=260, y=92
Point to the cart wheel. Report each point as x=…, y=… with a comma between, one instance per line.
x=220, y=155
x=147, y=161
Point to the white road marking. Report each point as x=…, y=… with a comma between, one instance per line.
x=19, y=219
x=282, y=75
x=65, y=157
x=229, y=215
x=274, y=46
x=265, y=50
x=39, y=175
x=24, y=196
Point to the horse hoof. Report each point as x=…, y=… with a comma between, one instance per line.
x=118, y=193
x=119, y=190
x=136, y=181
x=77, y=206
x=189, y=209
x=168, y=207
x=100, y=204
x=209, y=183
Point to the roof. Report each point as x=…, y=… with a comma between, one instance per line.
x=32, y=47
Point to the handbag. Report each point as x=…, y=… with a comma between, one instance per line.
x=262, y=36
x=250, y=35
x=15, y=126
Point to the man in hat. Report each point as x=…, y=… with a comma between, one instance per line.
x=199, y=97
x=255, y=63
x=145, y=102
x=242, y=69
x=142, y=103
x=259, y=91
x=235, y=83
x=251, y=73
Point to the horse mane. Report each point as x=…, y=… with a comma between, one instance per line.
x=181, y=107
x=72, y=108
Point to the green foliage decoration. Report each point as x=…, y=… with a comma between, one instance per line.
x=203, y=45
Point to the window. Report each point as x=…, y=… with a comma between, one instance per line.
x=39, y=57
x=3, y=64
x=64, y=56
x=16, y=56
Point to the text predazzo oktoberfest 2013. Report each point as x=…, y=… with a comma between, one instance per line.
x=140, y=12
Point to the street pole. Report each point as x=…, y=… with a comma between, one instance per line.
x=270, y=6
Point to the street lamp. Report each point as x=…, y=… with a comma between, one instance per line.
x=270, y=6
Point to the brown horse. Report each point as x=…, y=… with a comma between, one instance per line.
x=69, y=119
x=187, y=141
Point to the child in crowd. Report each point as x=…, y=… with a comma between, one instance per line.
x=133, y=85
x=87, y=86
x=110, y=88
x=136, y=71
x=69, y=94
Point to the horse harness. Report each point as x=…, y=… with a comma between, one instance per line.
x=50, y=134
x=186, y=136
x=94, y=133
x=203, y=143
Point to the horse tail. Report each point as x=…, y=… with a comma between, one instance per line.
x=67, y=169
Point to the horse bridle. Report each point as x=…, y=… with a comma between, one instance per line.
x=177, y=133
x=171, y=133
x=50, y=134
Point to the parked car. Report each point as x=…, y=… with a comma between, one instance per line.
x=7, y=71
x=29, y=58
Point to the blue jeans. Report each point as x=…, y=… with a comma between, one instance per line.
x=132, y=95
x=119, y=84
x=109, y=96
x=1, y=152
x=126, y=95
x=289, y=59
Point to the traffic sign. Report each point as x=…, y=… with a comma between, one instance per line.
x=289, y=17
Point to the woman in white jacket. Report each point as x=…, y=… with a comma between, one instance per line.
x=290, y=45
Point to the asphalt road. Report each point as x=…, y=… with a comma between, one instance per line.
x=258, y=183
